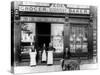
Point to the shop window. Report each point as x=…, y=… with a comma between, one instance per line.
x=27, y=32
x=27, y=36
x=78, y=39
x=57, y=36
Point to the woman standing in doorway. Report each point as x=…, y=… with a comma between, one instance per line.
x=44, y=55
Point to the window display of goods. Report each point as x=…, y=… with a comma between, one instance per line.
x=58, y=43
x=84, y=47
x=78, y=39
x=25, y=37
x=78, y=46
x=84, y=38
x=80, y=35
x=74, y=35
x=28, y=32
x=28, y=27
x=72, y=47
x=71, y=38
x=57, y=29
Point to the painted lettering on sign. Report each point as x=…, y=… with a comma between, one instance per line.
x=42, y=9
x=41, y=19
x=54, y=9
x=58, y=6
x=79, y=11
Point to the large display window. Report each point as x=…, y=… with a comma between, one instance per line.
x=57, y=31
x=27, y=36
x=28, y=32
x=79, y=39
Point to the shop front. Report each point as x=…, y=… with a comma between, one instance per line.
x=42, y=31
x=69, y=28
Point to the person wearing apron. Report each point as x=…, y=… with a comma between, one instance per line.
x=32, y=56
x=44, y=56
x=50, y=54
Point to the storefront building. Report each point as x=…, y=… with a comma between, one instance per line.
x=69, y=27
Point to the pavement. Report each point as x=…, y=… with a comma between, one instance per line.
x=45, y=68
x=25, y=68
x=36, y=69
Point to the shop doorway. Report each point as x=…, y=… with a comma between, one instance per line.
x=43, y=32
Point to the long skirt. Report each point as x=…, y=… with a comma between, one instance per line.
x=44, y=55
x=32, y=58
x=50, y=57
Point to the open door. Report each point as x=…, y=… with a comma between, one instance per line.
x=43, y=32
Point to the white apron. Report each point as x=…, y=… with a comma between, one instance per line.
x=50, y=57
x=44, y=55
x=32, y=58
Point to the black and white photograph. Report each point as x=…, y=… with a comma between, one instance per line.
x=52, y=37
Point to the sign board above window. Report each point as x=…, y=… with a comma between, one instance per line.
x=42, y=9
x=52, y=9
x=79, y=11
x=41, y=19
